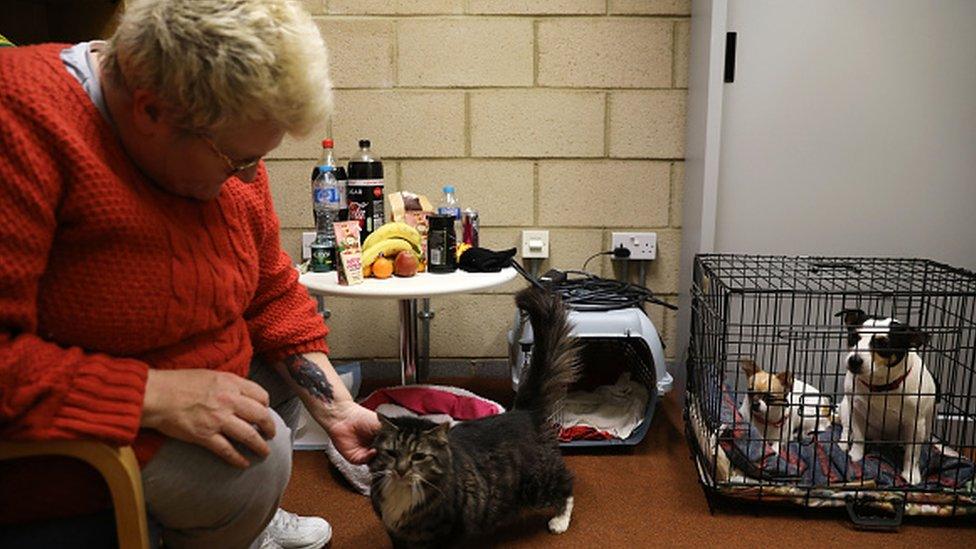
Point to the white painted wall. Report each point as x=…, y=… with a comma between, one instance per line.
x=850, y=130
x=704, y=124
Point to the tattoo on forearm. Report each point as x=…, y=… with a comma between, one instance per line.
x=308, y=375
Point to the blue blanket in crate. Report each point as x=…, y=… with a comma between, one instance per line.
x=821, y=462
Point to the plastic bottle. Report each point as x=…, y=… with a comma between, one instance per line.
x=327, y=158
x=365, y=189
x=449, y=205
x=326, y=205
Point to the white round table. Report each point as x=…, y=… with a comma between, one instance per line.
x=407, y=291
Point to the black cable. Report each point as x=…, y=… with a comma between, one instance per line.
x=588, y=292
x=525, y=274
x=598, y=254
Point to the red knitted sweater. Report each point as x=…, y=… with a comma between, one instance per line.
x=103, y=275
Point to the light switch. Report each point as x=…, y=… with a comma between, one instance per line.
x=535, y=244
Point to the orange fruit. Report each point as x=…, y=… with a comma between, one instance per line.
x=382, y=267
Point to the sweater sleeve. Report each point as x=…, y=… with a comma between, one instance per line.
x=281, y=318
x=48, y=391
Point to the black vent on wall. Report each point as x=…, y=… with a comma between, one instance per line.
x=730, y=38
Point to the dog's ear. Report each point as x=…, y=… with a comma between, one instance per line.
x=749, y=366
x=786, y=378
x=908, y=337
x=853, y=317
x=917, y=338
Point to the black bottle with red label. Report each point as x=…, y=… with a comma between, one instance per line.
x=365, y=189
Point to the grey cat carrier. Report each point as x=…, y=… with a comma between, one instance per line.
x=787, y=314
x=613, y=342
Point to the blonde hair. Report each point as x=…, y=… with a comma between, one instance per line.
x=217, y=62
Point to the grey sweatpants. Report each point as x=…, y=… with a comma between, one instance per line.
x=199, y=500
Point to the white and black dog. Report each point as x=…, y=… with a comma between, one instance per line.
x=889, y=394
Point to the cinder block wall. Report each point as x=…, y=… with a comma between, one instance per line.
x=560, y=114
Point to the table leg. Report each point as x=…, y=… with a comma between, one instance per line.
x=408, y=341
x=423, y=365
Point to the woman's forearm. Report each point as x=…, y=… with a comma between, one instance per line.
x=312, y=377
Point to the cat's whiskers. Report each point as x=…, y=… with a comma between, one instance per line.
x=384, y=477
x=431, y=484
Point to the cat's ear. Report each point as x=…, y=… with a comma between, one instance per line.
x=386, y=423
x=439, y=433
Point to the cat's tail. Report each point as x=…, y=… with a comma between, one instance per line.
x=555, y=354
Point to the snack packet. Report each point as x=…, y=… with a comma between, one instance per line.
x=350, y=255
x=413, y=210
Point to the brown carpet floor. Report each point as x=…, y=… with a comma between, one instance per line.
x=645, y=497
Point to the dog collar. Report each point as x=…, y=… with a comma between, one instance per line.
x=762, y=420
x=887, y=386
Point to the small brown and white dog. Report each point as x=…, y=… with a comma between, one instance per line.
x=889, y=394
x=783, y=409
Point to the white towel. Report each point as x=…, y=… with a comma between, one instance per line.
x=616, y=409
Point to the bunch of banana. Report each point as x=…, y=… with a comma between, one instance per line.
x=389, y=240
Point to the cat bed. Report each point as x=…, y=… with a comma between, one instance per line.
x=437, y=403
x=746, y=466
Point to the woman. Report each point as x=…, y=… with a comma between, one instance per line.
x=140, y=266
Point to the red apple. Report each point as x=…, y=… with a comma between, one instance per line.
x=405, y=264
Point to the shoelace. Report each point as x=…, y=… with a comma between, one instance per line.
x=284, y=520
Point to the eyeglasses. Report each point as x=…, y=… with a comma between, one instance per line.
x=233, y=167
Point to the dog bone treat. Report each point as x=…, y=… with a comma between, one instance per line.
x=350, y=264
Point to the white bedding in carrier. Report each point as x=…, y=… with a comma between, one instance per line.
x=637, y=350
x=614, y=411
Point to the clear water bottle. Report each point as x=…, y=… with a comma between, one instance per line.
x=449, y=205
x=326, y=203
x=327, y=158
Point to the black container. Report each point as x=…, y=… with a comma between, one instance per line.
x=323, y=258
x=365, y=189
x=441, y=244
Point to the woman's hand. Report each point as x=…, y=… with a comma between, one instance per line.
x=352, y=429
x=211, y=409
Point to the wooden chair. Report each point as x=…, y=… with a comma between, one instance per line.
x=119, y=468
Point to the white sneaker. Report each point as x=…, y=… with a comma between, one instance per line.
x=290, y=531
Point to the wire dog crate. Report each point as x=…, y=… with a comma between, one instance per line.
x=814, y=319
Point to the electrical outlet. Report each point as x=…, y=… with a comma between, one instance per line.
x=535, y=244
x=307, y=238
x=642, y=246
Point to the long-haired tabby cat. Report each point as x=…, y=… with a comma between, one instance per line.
x=435, y=486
